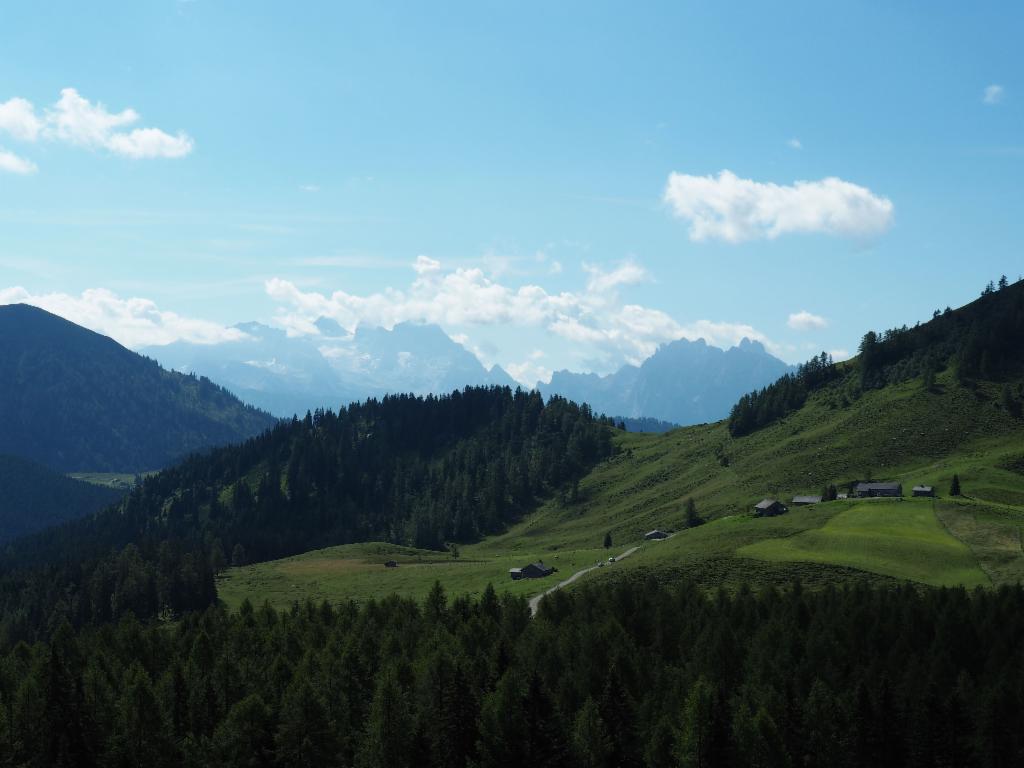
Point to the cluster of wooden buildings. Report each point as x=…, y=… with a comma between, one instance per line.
x=771, y=507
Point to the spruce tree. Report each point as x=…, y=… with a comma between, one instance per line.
x=694, y=748
x=692, y=518
x=591, y=744
x=608, y=540
x=954, y=487
x=304, y=735
x=386, y=741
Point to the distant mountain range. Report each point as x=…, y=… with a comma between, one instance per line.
x=684, y=382
x=291, y=375
x=74, y=400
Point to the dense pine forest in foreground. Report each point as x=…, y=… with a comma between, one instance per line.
x=633, y=674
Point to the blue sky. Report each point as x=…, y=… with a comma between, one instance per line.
x=543, y=179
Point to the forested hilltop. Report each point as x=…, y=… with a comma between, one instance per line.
x=631, y=674
x=982, y=340
x=78, y=401
x=422, y=471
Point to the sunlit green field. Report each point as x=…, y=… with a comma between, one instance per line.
x=901, y=539
x=357, y=571
x=118, y=480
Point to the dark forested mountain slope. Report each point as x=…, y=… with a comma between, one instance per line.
x=422, y=471
x=78, y=401
x=684, y=382
x=33, y=497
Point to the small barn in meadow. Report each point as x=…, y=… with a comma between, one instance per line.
x=391, y=564
x=872, y=490
x=655, y=534
x=803, y=501
x=532, y=571
x=924, y=490
x=769, y=508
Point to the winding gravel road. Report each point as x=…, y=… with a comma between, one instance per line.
x=535, y=601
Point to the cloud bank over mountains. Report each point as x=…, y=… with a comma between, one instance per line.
x=465, y=297
x=464, y=301
x=75, y=121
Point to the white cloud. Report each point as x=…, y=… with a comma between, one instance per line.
x=805, y=321
x=463, y=297
x=133, y=322
x=145, y=143
x=732, y=209
x=794, y=144
x=531, y=370
x=993, y=94
x=838, y=355
x=727, y=334
x=18, y=118
x=310, y=187
x=75, y=120
x=424, y=265
x=11, y=163
x=628, y=273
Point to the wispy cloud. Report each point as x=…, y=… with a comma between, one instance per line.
x=11, y=163
x=993, y=94
x=134, y=322
x=794, y=144
x=731, y=209
x=805, y=321
x=76, y=121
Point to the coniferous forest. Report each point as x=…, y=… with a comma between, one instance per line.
x=421, y=471
x=631, y=674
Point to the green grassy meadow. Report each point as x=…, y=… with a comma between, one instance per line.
x=903, y=539
x=902, y=433
x=119, y=481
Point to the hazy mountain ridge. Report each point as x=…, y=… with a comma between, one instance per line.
x=289, y=375
x=74, y=400
x=684, y=382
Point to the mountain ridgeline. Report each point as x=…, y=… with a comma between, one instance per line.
x=422, y=471
x=75, y=400
x=684, y=382
x=982, y=340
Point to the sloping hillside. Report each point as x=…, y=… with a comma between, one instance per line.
x=33, y=497
x=923, y=413
x=78, y=401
